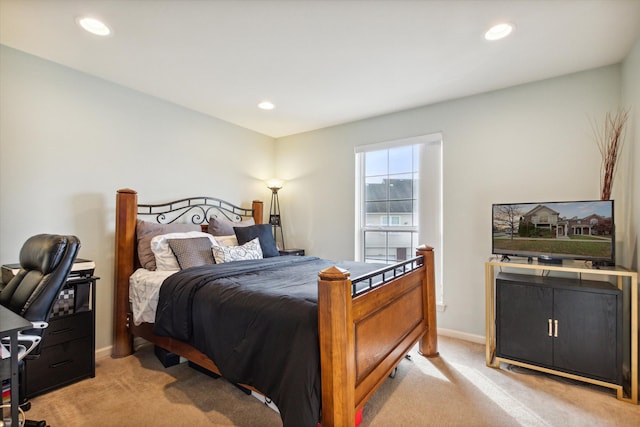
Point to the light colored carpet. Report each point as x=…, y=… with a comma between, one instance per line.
x=455, y=389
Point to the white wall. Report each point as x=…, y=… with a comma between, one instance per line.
x=631, y=100
x=68, y=141
x=528, y=143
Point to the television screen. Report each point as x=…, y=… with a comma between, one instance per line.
x=554, y=231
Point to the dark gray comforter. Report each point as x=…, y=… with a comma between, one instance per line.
x=258, y=321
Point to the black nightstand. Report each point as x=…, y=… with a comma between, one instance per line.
x=68, y=345
x=296, y=252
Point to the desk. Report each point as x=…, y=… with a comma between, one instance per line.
x=10, y=325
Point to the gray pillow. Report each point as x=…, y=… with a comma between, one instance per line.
x=145, y=231
x=224, y=227
x=192, y=252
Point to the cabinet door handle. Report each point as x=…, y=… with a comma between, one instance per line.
x=550, y=329
x=555, y=332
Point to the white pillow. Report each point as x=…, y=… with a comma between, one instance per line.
x=250, y=250
x=231, y=240
x=165, y=259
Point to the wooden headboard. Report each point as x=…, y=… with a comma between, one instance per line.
x=196, y=210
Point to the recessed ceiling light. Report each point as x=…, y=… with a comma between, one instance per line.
x=498, y=32
x=266, y=105
x=93, y=26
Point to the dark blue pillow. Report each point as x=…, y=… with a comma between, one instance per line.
x=263, y=233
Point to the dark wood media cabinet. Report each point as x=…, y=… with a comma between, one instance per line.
x=569, y=325
x=564, y=324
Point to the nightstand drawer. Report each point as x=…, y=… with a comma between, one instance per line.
x=67, y=328
x=60, y=365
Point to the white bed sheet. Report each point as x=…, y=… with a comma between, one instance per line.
x=144, y=287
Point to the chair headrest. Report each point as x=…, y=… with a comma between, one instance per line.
x=43, y=252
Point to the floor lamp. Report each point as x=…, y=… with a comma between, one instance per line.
x=274, y=211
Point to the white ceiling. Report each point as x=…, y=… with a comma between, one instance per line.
x=321, y=62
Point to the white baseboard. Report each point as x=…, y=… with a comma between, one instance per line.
x=103, y=353
x=478, y=339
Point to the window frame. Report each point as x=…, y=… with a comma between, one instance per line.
x=430, y=201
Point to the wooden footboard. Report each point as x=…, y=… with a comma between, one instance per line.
x=363, y=336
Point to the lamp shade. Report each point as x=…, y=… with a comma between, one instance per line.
x=274, y=184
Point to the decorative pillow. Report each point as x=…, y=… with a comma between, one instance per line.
x=231, y=240
x=192, y=252
x=262, y=232
x=165, y=259
x=250, y=250
x=224, y=227
x=145, y=231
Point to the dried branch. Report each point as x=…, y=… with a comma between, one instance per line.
x=610, y=140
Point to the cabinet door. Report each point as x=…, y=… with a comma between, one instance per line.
x=588, y=330
x=522, y=318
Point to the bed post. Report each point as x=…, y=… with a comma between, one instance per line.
x=257, y=207
x=429, y=341
x=126, y=214
x=337, y=347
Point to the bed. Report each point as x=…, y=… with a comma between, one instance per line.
x=365, y=325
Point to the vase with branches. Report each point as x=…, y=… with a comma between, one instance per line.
x=610, y=139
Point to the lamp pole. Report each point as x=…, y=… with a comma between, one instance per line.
x=274, y=214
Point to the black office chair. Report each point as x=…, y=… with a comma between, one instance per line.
x=45, y=264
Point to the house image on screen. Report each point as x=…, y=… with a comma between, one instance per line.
x=543, y=218
x=592, y=225
x=546, y=219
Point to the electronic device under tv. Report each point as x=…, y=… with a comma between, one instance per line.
x=555, y=231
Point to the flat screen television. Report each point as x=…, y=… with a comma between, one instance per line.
x=554, y=231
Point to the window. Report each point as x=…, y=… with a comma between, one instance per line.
x=390, y=209
x=398, y=200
